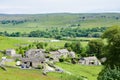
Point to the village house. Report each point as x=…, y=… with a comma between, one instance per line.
x=71, y=54
x=35, y=53
x=32, y=62
x=63, y=52
x=89, y=61
x=33, y=58
x=56, y=55
x=12, y=53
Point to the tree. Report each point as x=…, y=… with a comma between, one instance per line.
x=95, y=47
x=76, y=46
x=112, y=67
x=41, y=45
x=109, y=74
x=67, y=45
x=113, y=47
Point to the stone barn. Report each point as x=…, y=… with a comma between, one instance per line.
x=10, y=52
x=89, y=61
x=32, y=62
x=33, y=58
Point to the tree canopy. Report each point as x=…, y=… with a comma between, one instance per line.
x=113, y=48
x=95, y=47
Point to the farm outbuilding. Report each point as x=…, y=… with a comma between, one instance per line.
x=33, y=58
x=89, y=61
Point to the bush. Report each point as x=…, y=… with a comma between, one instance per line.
x=110, y=74
x=40, y=67
x=61, y=60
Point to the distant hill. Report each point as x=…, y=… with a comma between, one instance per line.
x=30, y=22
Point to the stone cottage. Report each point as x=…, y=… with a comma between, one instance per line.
x=33, y=58
x=35, y=53
x=71, y=54
x=32, y=62
x=63, y=52
x=89, y=61
x=55, y=55
x=12, y=53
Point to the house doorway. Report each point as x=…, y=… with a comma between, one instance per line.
x=31, y=64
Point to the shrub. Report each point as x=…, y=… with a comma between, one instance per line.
x=110, y=74
x=61, y=60
x=40, y=67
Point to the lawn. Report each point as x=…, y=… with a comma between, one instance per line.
x=14, y=42
x=20, y=74
x=8, y=43
x=91, y=72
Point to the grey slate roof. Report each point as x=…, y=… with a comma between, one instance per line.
x=63, y=51
x=35, y=53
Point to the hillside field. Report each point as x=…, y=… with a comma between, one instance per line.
x=90, y=72
x=26, y=23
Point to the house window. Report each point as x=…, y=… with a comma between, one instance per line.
x=91, y=62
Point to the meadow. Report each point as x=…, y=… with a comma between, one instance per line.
x=90, y=72
x=26, y=23
x=8, y=43
x=15, y=42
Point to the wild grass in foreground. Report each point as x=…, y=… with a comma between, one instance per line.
x=91, y=72
x=21, y=74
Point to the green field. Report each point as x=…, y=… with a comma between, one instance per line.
x=15, y=42
x=60, y=20
x=20, y=74
x=8, y=43
x=91, y=72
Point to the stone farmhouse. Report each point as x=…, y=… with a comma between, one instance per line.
x=61, y=53
x=12, y=53
x=33, y=58
x=89, y=61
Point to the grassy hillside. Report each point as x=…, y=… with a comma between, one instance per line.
x=8, y=43
x=27, y=23
x=24, y=75
x=15, y=42
x=91, y=72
